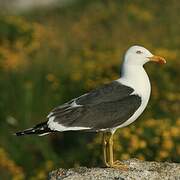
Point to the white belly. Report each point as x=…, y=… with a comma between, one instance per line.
x=135, y=115
x=142, y=87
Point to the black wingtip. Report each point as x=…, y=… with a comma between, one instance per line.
x=39, y=129
x=19, y=134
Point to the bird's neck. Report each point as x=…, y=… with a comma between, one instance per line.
x=136, y=76
x=132, y=71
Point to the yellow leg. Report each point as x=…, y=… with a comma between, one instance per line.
x=111, y=155
x=108, y=152
x=105, y=150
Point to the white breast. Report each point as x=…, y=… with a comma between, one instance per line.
x=137, y=78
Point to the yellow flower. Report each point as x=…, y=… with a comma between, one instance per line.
x=141, y=157
x=139, y=131
x=50, y=77
x=142, y=144
x=134, y=142
x=150, y=123
x=166, y=134
x=127, y=133
x=175, y=131
x=10, y=166
x=168, y=144
x=163, y=154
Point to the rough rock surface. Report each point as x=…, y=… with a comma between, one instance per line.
x=138, y=170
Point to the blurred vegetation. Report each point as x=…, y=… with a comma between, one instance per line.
x=50, y=56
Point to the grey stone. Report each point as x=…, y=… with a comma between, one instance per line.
x=138, y=170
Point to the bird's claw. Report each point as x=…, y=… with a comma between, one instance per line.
x=119, y=165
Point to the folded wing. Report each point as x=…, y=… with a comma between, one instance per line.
x=103, y=108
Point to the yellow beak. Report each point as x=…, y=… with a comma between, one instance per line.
x=157, y=59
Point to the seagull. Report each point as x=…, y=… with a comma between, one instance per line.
x=107, y=108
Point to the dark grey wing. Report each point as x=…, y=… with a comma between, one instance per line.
x=108, y=92
x=100, y=116
x=105, y=107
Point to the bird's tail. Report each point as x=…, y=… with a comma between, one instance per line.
x=40, y=129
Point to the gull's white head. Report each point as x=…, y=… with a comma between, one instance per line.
x=138, y=55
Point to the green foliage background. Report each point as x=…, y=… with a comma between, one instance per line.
x=48, y=56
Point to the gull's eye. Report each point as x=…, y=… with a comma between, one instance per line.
x=138, y=52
